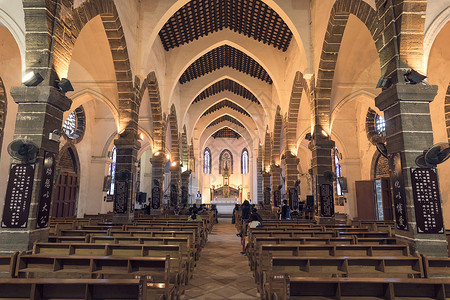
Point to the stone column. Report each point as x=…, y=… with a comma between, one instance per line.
x=259, y=178
x=127, y=147
x=409, y=133
x=175, y=180
x=158, y=161
x=40, y=112
x=321, y=148
x=266, y=185
x=275, y=172
x=291, y=168
x=185, y=187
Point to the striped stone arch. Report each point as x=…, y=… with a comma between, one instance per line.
x=157, y=117
x=267, y=150
x=294, y=107
x=447, y=112
x=184, y=147
x=3, y=111
x=276, y=138
x=173, y=123
x=333, y=37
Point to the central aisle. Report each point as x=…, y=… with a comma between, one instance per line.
x=222, y=272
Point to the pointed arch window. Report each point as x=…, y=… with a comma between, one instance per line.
x=244, y=162
x=207, y=161
x=112, y=170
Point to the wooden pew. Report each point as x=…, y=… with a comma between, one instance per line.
x=155, y=269
x=69, y=239
x=361, y=288
x=266, y=252
x=8, y=265
x=436, y=266
x=178, y=264
x=107, y=289
x=376, y=241
x=361, y=267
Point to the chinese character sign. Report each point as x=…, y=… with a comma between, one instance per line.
x=427, y=201
x=45, y=195
x=398, y=189
x=18, y=196
x=326, y=200
x=156, y=197
x=121, y=199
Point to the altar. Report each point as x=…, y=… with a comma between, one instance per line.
x=225, y=197
x=225, y=205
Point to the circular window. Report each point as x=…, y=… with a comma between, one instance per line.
x=73, y=126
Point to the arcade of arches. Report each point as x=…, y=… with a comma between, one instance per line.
x=180, y=101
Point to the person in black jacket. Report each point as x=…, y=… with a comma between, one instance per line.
x=285, y=211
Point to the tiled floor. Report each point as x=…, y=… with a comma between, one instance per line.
x=222, y=272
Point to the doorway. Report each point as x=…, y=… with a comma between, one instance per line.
x=66, y=194
x=373, y=199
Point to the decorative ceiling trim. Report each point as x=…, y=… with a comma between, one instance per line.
x=223, y=104
x=226, y=85
x=225, y=56
x=252, y=18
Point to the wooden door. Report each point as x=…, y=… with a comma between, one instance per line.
x=387, y=200
x=64, y=202
x=365, y=202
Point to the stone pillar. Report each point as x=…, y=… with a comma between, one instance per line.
x=175, y=180
x=291, y=168
x=40, y=112
x=158, y=161
x=185, y=187
x=266, y=185
x=275, y=172
x=409, y=133
x=127, y=147
x=321, y=148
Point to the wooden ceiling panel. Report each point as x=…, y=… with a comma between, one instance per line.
x=223, y=104
x=252, y=18
x=226, y=132
x=225, y=118
x=226, y=85
x=225, y=56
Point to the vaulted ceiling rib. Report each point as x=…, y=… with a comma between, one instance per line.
x=225, y=118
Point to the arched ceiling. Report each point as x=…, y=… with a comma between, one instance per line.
x=223, y=119
x=225, y=56
x=223, y=104
x=226, y=85
x=226, y=132
x=199, y=18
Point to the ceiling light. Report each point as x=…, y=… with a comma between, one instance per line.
x=324, y=133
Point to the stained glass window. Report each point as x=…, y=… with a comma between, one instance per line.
x=244, y=162
x=112, y=170
x=70, y=124
x=380, y=125
x=207, y=162
x=337, y=166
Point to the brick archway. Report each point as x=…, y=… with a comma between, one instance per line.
x=294, y=106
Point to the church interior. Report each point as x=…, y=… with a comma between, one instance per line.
x=339, y=107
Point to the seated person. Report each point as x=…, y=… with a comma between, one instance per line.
x=194, y=216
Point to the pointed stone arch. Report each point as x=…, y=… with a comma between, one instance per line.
x=330, y=50
x=151, y=83
x=447, y=112
x=173, y=123
x=276, y=138
x=294, y=106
